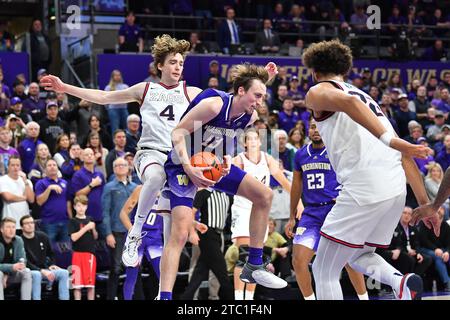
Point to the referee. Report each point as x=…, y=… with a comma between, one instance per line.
x=214, y=207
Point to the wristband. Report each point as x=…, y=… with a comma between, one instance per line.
x=386, y=138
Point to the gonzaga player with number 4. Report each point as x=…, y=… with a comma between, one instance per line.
x=162, y=105
x=211, y=122
x=315, y=181
x=370, y=163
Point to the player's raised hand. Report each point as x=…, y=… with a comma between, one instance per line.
x=429, y=216
x=272, y=69
x=409, y=149
x=52, y=83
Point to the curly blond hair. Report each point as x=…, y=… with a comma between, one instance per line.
x=244, y=74
x=328, y=57
x=165, y=45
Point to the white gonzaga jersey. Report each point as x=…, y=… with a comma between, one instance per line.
x=161, y=110
x=366, y=168
x=260, y=171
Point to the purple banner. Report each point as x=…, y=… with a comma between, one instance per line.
x=196, y=69
x=13, y=63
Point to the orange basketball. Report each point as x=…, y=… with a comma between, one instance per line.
x=207, y=159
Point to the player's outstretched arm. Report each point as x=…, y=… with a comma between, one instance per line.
x=276, y=172
x=131, y=94
x=325, y=97
x=128, y=207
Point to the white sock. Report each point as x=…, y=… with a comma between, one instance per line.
x=238, y=295
x=364, y=296
x=311, y=297
x=153, y=182
x=249, y=295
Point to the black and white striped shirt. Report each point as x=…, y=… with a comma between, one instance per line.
x=213, y=206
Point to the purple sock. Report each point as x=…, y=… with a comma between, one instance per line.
x=255, y=256
x=165, y=295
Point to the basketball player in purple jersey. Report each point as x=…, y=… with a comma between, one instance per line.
x=315, y=180
x=152, y=240
x=220, y=115
x=372, y=165
x=162, y=105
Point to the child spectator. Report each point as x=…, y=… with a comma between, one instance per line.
x=83, y=235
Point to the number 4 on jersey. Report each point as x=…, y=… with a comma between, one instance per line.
x=168, y=112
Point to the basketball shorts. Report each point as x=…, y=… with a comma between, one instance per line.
x=355, y=226
x=145, y=158
x=307, y=231
x=240, y=222
x=84, y=266
x=181, y=191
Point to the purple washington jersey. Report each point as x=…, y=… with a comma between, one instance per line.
x=153, y=226
x=319, y=180
x=217, y=136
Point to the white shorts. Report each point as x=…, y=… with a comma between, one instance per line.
x=144, y=158
x=240, y=223
x=356, y=226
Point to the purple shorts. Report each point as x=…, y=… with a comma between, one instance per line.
x=151, y=248
x=307, y=232
x=181, y=191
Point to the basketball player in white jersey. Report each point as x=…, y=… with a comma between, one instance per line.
x=260, y=165
x=162, y=105
x=372, y=165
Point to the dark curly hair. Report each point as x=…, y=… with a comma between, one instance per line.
x=328, y=57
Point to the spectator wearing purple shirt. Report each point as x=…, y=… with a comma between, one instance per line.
x=436, y=52
x=297, y=95
x=6, y=151
x=281, y=152
x=403, y=116
x=4, y=87
x=358, y=20
x=51, y=195
x=443, y=157
x=27, y=148
x=130, y=35
x=288, y=117
x=444, y=103
x=395, y=18
x=89, y=182
x=73, y=164
x=120, y=141
x=423, y=163
x=34, y=105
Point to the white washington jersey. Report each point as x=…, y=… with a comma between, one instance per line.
x=161, y=110
x=368, y=170
x=260, y=171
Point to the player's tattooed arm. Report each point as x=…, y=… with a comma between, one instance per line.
x=128, y=207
